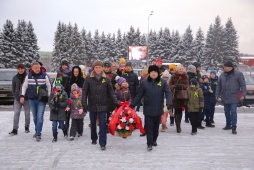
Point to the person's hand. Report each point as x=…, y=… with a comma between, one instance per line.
x=22, y=100
x=80, y=111
x=211, y=91
x=217, y=98
x=241, y=98
x=67, y=109
x=85, y=110
x=169, y=106
x=177, y=86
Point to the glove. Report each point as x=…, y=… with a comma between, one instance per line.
x=177, y=86
x=201, y=109
x=117, y=105
x=131, y=106
x=84, y=109
x=169, y=106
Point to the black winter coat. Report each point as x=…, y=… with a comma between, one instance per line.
x=191, y=76
x=58, y=105
x=153, y=92
x=16, y=86
x=207, y=95
x=132, y=80
x=97, y=92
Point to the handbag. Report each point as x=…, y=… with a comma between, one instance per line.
x=42, y=93
x=182, y=94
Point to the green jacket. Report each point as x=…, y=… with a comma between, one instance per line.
x=196, y=99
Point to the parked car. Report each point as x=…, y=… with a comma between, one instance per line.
x=250, y=89
x=6, y=76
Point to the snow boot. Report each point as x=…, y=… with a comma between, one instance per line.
x=55, y=138
x=13, y=132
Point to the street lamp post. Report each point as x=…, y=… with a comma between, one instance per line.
x=151, y=13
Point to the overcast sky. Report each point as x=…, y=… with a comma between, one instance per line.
x=109, y=15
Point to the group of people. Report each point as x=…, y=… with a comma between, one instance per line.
x=161, y=91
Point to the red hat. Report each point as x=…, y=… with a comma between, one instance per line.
x=159, y=60
x=204, y=77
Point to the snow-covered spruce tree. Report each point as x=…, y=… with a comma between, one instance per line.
x=143, y=40
x=168, y=43
x=87, y=43
x=119, y=46
x=7, y=45
x=110, y=42
x=175, y=45
x=137, y=37
x=198, y=46
x=130, y=37
x=102, y=48
x=95, y=44
x=77, y=48
x=152, y=45
x=231, y=50
x=160, y=45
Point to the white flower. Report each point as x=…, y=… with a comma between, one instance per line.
x=129, y=111
x=131, y=120
x=123, y=119
x=119, y=127
x=110, y=118
x=127, y=128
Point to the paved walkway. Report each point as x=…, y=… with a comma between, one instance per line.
x=212, y=148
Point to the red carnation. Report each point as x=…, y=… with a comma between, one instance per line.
x=122, y=125
x=180, y=77
x=131, y=127
x=118, y=121
x=69, y=101
x=239, y=95
x=127, y=119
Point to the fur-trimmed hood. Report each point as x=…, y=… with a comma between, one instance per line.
x=102, y=75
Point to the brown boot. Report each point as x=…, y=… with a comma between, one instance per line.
x=163, y=129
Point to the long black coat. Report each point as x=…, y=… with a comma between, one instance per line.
x=153, y=92
x=61, y=104
x=132, y=80
x=97, y=92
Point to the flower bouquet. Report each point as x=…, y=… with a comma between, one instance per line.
x=124, y=121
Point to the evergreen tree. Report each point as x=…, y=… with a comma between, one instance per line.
x=175, y=45
x=143, y=41
x=159, y=47
x=136, y=41
x=198, y=46
x=95, y=44
x=130, y=37
x=152, y=45
x=87, y=44
x=167, y=43
x=77, y=49
x=119, y=46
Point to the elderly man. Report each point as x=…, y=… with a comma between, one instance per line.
x=231, y=82
x=36, y=79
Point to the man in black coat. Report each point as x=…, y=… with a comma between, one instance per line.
x=153, y=90
x=97, y=88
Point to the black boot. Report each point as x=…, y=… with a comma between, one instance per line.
x=200, y=126
x=234, y=131
x=65, y=132
x=172, y=121
x=54, y=138
x=13, y=132
x=27, y=129
x=209, y=125
x=178, y=123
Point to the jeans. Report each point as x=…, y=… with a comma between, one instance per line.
x=17, y=110
x=231, y=114
x=54, y=126
x=102, y=125
x=152, y=128
x=212, y=106
x=207, y=113
x=38, y=109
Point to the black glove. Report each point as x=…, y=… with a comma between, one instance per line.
x=201, y=109
x=169, y=106
x=84, y=109
x=117, y=105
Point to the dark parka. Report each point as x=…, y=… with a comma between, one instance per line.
x=183, y=82
x=17, y=81
x=213, y=84
x=207, y=95
x=191, y=76
x=57, y=109
x=153, y=92
x=97, y=92
x=65, y=76
x=132, y=80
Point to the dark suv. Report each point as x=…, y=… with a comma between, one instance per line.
x=6, y=76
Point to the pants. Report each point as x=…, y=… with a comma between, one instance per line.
x=67, y=120
x=108, y=115
x=201, y=116
x=194, y=117
x=152, y=128
x=76, y=126
x=38, y=109
x=102, y=126
x=54, y=126
x=231, y=115
x=212, y=106
x=207, y=113
x=17, y=110
x=186, y=113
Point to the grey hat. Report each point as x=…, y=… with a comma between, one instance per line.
x=191, y=68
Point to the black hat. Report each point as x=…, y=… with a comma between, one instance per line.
x=153, y=68
x=228, y=64
x=64, y=62
x=128, y=64
x=107, y=64
x=20, y=66
x=193, y=81
x=196, y=64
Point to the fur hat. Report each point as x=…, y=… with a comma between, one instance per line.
x=128, y=64
x=21, y=66
x=159, y=60
x=64, y=62
x=172, y=67
x=153, y=68
x=228, y=64
x=191, y=68
x=204, y=77
x=97, y=63
x=165, y=74
x=120, y=80
x=122, y=61
x=196, y=64
x=107, y=64
x=74, y=87
x=213, y=71
x=193, y=81
x=179, y=66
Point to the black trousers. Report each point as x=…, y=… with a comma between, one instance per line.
x=152, y=124
x=76, y=126
x=194, y=118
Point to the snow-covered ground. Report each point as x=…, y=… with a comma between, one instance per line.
x=212, y=148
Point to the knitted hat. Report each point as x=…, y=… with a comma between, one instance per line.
x=204, y=77
x=213, y=71
x=191, y=68
x=196, y=64
x=97, y=63
x=179, y=66
x=122, y=61
x=58, y=82
x=228, y=64
x=64, y=62
x=159, y=60
x=21, y=66
x=128, y=64
x=193, y=81
x=172, y=67
x=74, y=87
x=120, y=80
x=107, y=64
x=153, y=68
x=165, y=74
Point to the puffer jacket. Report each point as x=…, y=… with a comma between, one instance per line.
x=132, y=80
x=213, y=84
x=75, y=105
x=122, y=94
x=196, y=99
x=207, y=95
x=97, y=93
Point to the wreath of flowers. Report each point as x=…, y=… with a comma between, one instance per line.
x=126, y=122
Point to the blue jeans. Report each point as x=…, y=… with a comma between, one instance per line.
x=102, y=125
x=231, y=114
x=38, y=109
x=54, y=126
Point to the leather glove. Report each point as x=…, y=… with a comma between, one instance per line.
x=169, y=106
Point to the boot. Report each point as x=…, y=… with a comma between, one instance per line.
x=234, y=131
x=200, y=126
x=171, y=121
x=208, y=124
x=163, y=129
x=13, y=132
x=54, y=138
x=65, y=132
x=178, y=122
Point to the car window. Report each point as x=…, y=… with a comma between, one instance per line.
x=7, y=76
x=249, y=80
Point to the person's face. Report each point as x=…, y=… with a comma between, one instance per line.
x=122, y=67
x=98, y=69
x=58, y=87
x=153, y=62
x=127, y=68
x=180, y=70
x=206, y=80
x=75, y=72
x=198, y=69
x=21, y=70
x=227, y=69
x=64, y=67
x=106, y=69
x=36, y=69
x=212, y=75
x=153, y=74
x=159, y=64
x=113, y=67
